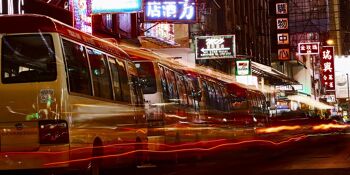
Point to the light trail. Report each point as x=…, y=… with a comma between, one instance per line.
x=293, y=139
x=329, y=126
x=278, y=129
x=121, y=144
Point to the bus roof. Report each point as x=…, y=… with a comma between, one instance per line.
x=33, y=23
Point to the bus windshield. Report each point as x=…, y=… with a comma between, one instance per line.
x=147, y=76
x=28, y=58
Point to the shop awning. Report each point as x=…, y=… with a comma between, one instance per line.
x=271, y=73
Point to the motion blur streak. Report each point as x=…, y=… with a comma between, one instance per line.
x=222, y=146
x=309, y=101
x=278, y=129
x=121, y=144
x=329, y=126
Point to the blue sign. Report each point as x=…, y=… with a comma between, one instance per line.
x=182, y=11
x=116, y=6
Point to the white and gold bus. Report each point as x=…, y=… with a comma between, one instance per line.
x=66, y=97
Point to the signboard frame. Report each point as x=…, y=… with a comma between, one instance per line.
x=249, y=72
x=95, y=10
x=310, y=43
x=232, y=47
x=169, y=19
x=327, y=68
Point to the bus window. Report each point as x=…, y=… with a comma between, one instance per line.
x=212, y=95
x=100, y=74
x=28, y=58
x=136, y=90
x=164, y=83
x=78, y=68
x=219, y=97
x=206, y=92
x=182, y=89
x=147, y=76
x=124, y=81
x=115, y=79
x=170, y=77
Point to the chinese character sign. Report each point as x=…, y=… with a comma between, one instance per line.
x=82, y=15
x=308, y=48
x=282, y=23
x=282, y=38
x=281, y=8
x=219, y=46
x=327, y=68
x=283, y=54
x=170, y=10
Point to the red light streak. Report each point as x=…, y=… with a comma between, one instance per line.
x=293, y=139
x=278, y=129
x=121, y=144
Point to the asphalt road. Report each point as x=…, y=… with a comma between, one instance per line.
x=318, y=154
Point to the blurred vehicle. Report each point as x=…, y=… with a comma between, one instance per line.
x=64, y=94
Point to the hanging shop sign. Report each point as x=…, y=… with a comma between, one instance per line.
x=82, y=15
x=283, y=54
x=178, y=11
x=116, y=6
x=282, y=27
x=281, y=8
x=282, y=23
x=213, y=47
x=243, y=67
x=312, y=48
x=294, y=87
x=282, y=38
x=327, y=68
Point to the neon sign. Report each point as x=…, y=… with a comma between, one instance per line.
x=219, y=46
x=82, y=15
x=170, y=10
x=309, y=48
x=327, y=68
x=116, y=6
x=12, y=7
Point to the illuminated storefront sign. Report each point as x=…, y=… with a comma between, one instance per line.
x=282, y=27
x=282, y=38
x=12, y=7
x=116, y=6
x=164, y=32
x=290, y=87
x=82, y=15
x=327, y=68
x=219, y=46
x=282, y=23
x=312, y=48
x=281, y=8
x=243, y=67
x=283, y=54
x=182, y=11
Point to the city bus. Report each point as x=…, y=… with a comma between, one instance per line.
x=66, y=97
x=186, y=100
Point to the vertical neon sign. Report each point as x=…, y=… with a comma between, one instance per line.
x=82, y=15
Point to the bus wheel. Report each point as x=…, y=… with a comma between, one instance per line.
x=94, y=167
